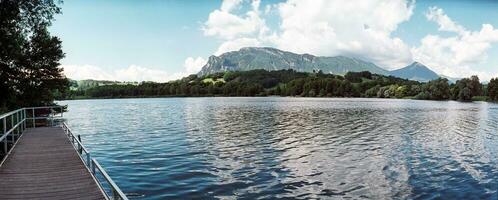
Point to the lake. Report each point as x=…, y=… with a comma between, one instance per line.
x=298, y=148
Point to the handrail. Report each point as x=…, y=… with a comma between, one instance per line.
x=18, y=123
x=93, y=166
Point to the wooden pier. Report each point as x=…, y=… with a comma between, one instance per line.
x=45, y=165
x=48, y=162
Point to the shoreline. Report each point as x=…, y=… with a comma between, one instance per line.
x=338, y=97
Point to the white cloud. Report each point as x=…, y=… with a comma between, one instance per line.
x=236, y=44
x=445, y=23
x=229, y=5
x=355, y=28
x=323, y=27
x=131, y=73
x=346, y=27
x=194, y=65
x=455, y=55
x=226, y=25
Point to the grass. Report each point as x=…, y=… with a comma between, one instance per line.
x=211, y=80
x=480, y=98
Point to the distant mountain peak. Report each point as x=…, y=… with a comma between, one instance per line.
x=268, y=58
x=416, y=71
x=417, y=64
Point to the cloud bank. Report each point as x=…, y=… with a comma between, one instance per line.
x=356, y=28
x=455, y=55
x=130, y=73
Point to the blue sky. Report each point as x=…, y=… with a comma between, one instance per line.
x=161, y=40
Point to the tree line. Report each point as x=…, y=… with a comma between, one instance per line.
x=293, y=83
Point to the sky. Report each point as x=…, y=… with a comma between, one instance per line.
x=162, y=40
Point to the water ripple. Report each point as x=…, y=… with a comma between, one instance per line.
x=293, y=148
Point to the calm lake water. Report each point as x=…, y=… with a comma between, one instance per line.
x=297, y=148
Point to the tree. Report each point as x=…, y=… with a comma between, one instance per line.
x=29, y=56
x=466, y=88
x=475, y=86
x=438, y=89
x=372, y=92
x=493, y=89
x=401, y=91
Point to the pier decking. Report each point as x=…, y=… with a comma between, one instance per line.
x=48, y=162
x=44, y=165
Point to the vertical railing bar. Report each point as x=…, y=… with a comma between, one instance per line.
x=93, y=168
x=80, y=145
x=88, y=159
x=5, y=147
x=5, y=125
x=4, y=132
x=19, y=120
x=34, y=120
x=25, y=118
x=12, y=126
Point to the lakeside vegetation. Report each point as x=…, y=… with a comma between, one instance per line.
x=292, y=83
x=29, y=56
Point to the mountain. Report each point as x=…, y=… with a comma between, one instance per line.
x=416, y=71
x=250, y=58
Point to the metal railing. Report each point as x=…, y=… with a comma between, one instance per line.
x=15, y=122
x=94, y=166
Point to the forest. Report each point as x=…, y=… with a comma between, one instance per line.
x=292, y=83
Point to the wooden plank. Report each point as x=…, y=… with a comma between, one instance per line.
x=44, y=165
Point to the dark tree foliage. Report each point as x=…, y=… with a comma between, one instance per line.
x=29, y=55
x=466, y=88
x=493, y=89
x=254, y=83
x=292, y=83
x=438, y=89
x=475, y=86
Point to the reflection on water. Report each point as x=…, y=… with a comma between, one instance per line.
x=271, y=148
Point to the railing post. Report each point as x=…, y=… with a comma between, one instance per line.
x=80, y=149
x=5, y=149
x=115, y=195
x=88, y=159
x=19, y=120
x=93, y=168
x=4, y=132
x=25, y=118
x=34, y=120
x=12, y=126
